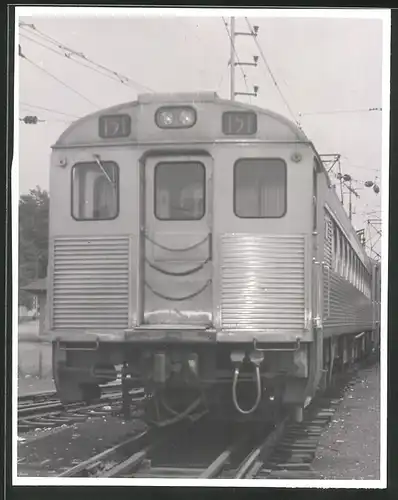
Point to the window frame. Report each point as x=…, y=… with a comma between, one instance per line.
x=254, y=158
x=72, y=198
x=196, y=162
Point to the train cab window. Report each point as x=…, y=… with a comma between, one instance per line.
x=260, y=188
x=180, y=190
x=95, y=190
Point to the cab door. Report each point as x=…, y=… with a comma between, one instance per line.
x=177, y=241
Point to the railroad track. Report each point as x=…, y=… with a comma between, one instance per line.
x=285, y=451
x=44, y=410
x=36, y=398
x=155, y=454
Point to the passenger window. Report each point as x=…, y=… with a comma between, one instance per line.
x=362, y=279
x=354, y=280
x=341, y=254
x=95, y=190
x=349, y=263
x=180, y=190
x=345, y=260
x=260, y=188
x=335, y=250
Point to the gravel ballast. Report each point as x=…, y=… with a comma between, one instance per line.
x=349, y=448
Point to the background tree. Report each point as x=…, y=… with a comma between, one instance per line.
x=33, y=240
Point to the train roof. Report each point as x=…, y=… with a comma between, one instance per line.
x=293, y=131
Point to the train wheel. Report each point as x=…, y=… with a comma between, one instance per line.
x=298, y=413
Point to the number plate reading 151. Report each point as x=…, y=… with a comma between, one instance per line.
x=112, y=126
x=239, y=123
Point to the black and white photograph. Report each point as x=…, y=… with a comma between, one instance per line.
x=200, y=246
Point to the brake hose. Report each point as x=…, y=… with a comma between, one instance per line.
x=234, y=396
x=179, y=416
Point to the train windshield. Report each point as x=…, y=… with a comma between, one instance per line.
x=260, y=188
x=95, y=190
x=180, y=190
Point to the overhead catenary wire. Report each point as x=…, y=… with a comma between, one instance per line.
x=62, y=53
x=341, y=111
x=121, y=78
x=61, y=82
x=271, y=73
x=50, y=110
x=359, y=166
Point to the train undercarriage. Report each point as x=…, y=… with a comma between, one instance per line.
x=227, y=382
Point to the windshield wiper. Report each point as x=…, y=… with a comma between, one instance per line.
x=98, y=162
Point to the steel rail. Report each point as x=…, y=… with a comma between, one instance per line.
x=256, y=458
x=90, y=465
x=50, y=414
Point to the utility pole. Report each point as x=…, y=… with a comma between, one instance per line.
x=232, y=60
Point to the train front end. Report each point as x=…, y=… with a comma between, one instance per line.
x=185, y=259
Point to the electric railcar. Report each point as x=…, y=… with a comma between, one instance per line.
x=199, y=250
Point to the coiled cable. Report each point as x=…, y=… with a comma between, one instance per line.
x=234, y=395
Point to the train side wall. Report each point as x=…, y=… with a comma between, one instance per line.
x=346, y=309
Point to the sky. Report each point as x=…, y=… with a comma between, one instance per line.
x=320, y=65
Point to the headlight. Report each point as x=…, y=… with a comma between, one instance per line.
x=175, y=117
